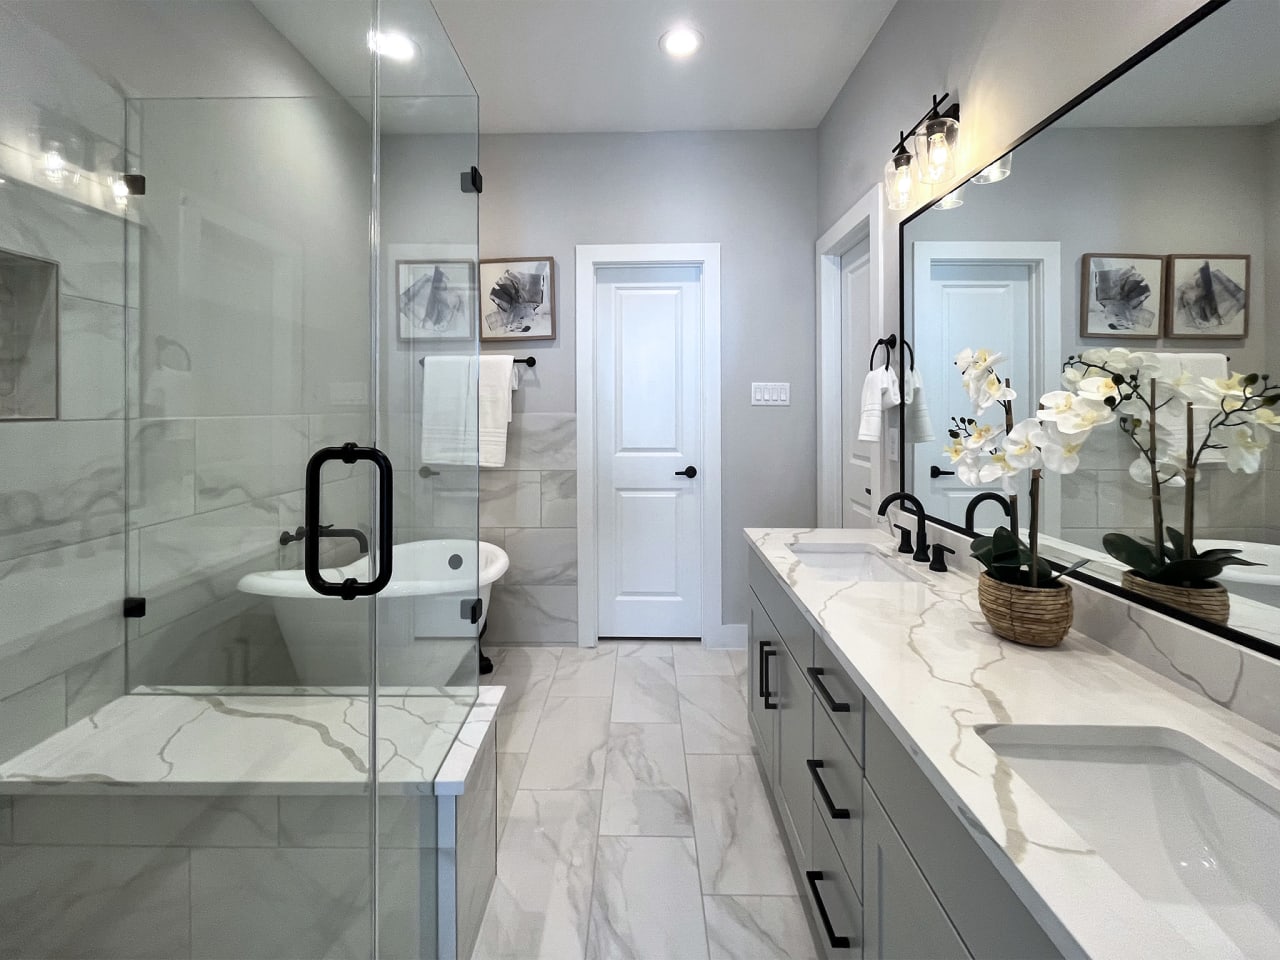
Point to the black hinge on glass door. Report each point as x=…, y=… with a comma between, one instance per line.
x=350, y=588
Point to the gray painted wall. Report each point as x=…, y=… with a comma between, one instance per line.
x=751, y=192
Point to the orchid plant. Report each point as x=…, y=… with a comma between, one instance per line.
x=983, y=453
x=1159, y=406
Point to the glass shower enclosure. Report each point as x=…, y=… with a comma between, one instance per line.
x=238, y=583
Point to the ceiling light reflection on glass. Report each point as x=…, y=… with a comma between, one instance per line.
x=392, y=45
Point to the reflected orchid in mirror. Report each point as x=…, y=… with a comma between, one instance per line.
x=1175, y=420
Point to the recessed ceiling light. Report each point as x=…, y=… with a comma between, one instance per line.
x=392, y=45
x=680, y=42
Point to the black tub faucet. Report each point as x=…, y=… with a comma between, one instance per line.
x=981, y=498
x=922, y=542
x=327, y=533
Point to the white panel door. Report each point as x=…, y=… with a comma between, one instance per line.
x=860, y=468
x=648, y=406
x=959, y=305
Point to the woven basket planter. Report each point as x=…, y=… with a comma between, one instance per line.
x=1211, y=603
x=1035, y=616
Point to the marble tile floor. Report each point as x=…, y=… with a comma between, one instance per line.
x=632, y=821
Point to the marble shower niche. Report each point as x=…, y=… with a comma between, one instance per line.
x=28, y=337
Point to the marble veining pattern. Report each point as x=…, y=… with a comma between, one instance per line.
x=929, y=665
x=191, y=740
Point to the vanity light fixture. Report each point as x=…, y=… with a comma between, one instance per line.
x=995, y=172
x=897, y=176
x=392, y=45
x=937, y=137
x=680, y=42
x=952, y=200
x=55, y=162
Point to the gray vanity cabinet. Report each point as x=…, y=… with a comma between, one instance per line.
x=884, y=865
x=902, y=918
x=795, y=747
x=763, y=647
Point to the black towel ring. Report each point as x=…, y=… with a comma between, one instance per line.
x=889, y=343
x=910, y=353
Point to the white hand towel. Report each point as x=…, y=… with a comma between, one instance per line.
x=1173, y=416
x=449, y=411
x=918, y=425
x=879, y=393
x=496, y=372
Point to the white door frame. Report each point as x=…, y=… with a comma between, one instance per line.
x=864, y=220
x=706, y=256
x=1044, y=258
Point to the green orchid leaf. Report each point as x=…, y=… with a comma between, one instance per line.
x=1071, y=569
x=1237, y=562
x=1133, y=554
x=1176, y=540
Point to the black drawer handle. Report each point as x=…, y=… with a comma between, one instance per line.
x=762, y=677
x=834, y=705
x=836, y=813
x=765, y=670
x=837, y=942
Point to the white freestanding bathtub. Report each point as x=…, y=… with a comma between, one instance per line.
x=422, y=638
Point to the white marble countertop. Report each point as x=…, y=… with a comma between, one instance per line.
x=207, y=740
x=929, y=665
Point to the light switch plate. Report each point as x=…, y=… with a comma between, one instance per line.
x=771, y=394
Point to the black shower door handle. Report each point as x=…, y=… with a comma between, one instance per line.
x=350, y=588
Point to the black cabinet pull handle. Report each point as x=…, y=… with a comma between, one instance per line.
x=834, y=705
x=762, y=686
x=350, y=588
x=689, y=472
x=837, y=942
x=936, y=471
x=836, y=813
x=765, y=671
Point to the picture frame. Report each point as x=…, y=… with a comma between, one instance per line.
x=435, y=299
x=518, y=299
x=1208, y=296
x=1122, y=295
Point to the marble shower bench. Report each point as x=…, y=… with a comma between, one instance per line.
x=202, y=822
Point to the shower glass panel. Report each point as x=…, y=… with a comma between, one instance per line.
x=247, y=767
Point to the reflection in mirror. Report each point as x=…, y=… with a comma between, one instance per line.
x=1146, y=220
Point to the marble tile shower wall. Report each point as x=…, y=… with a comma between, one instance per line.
x=529, y=508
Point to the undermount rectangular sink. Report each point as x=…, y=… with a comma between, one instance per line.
x=851, y=561
x=1197, y=836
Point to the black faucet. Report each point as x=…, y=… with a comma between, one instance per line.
x=977, y=501
x=327, y=532
x=922, y=542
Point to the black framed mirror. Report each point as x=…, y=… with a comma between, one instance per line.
x=1136, y=227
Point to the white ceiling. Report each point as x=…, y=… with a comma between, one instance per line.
x=1225, y=72
x=561, y=66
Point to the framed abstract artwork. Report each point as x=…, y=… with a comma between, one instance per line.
x=435, y=299
x=1121, y=295
x=518, y=299
x=1208, y=296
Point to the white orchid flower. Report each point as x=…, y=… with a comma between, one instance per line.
x=999, y=468
x=1099, y=388
x=1244, y=447
x=956, y=451
x=1071, y=377
x=1061, y=451
x=1229, y=392
x=1145, y=364
x=1077, y=415
x=1022, y=445
x=987, y=392
x=1266, y=418
x=980, y=437
x=1169, y=473
x=969, y=471
x=1095, y=355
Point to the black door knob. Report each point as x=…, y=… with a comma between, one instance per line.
x=935, y=472
x=689, y=472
